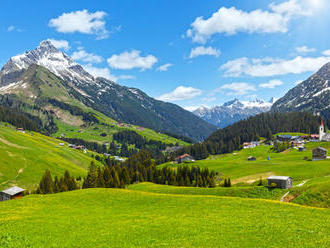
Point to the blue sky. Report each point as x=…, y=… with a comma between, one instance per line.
x=188, y=52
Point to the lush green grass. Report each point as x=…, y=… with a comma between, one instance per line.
x=245, y=192
x=92, y=133
x=25, y=156
x=315, y=192
x=288, y=163
x=292, y=134
x=124, y=218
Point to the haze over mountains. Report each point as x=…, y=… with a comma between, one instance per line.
x=233, y=111
x=121, y=103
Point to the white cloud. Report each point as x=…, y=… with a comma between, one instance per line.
x=209, y=99
x=11, y=28
x=164, y=67
x=305, y=49
x=60, y=44
x=82, y=55
x=326, y=52
x=99, y=72
x=126, y=77
x=233, y=89
x=180, y=93
x=201, y=50
x=130, y=60
x=81, y=21
x=271, y=84
x=230, y=21
x=267, y=67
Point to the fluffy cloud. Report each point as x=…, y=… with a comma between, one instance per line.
x=326, y=52
x=201, y=50
x=305, y=49
x=231, y=21
x=235, y=89
x=271, y=84
x=99, y=72
x=164, y=67
x=131, y=60
x=180, y=93
x=60, y=44
x=81, y=21
x=82, y=55
x=267, y=67
x=13, y=28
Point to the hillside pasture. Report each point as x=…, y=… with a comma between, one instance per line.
x=126, y=218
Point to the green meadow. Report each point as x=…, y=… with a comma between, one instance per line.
x=127, y=218
x=24, y=157
x=288, y=163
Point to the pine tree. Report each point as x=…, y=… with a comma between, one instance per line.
x=46, y=185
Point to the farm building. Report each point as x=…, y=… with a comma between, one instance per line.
x=282, y=182
x=251, y=158
x=11, y=193
x=319, y=153
x=183, y=158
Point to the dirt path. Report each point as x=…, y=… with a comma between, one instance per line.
x=298, y=185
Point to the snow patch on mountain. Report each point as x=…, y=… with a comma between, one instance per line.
x=232, y=111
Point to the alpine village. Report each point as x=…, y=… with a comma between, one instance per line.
x=87, y=159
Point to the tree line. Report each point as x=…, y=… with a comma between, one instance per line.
x=231, y=138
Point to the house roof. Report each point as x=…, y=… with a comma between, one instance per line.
x=320, y=148
x=183, y=156
x=13, y=190
x=279, y=177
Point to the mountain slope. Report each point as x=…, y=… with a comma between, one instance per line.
x=311, y=95
x=118, y=102
x=26, y=156
x=232, y=111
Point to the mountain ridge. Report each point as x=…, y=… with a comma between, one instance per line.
x=121, y=103
x=232, y=111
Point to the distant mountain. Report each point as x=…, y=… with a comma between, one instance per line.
x=312, y=95
x=121, y=103
x=232, y=111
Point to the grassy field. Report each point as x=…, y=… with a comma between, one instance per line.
x=244, y=192
x=288, y=163
x=125, y=218
x=316, y=192
x=24, y=157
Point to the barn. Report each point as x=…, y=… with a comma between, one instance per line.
x=11, y=193
x=319, y=153
x=282, y=182
x=183, y=158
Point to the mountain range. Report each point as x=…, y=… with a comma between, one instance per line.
x=312, y=95
x=233, y=111
x=39, y=76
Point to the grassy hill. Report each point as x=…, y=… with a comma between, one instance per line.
x=125, y=218
x=25, y=156
x=289, y=163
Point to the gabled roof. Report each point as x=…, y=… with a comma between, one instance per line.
x=279, y=177
x=13, y=190
x=320, y=148
x=183, y=156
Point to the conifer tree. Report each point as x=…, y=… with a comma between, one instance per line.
x=46, y=185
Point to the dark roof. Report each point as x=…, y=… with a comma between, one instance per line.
x=320, y=148
x=13, y=190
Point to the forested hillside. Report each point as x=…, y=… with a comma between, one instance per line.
x=264, y=125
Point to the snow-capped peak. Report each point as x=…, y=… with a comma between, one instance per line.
x=48, y=56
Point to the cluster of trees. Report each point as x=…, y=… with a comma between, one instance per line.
x=74, y=110
x=180, y=137
x=227, y=182
x=30, y=117
x=142, y=168
x=228, y=139
x=281, y=146
x=48, y=186
x=18, y=119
